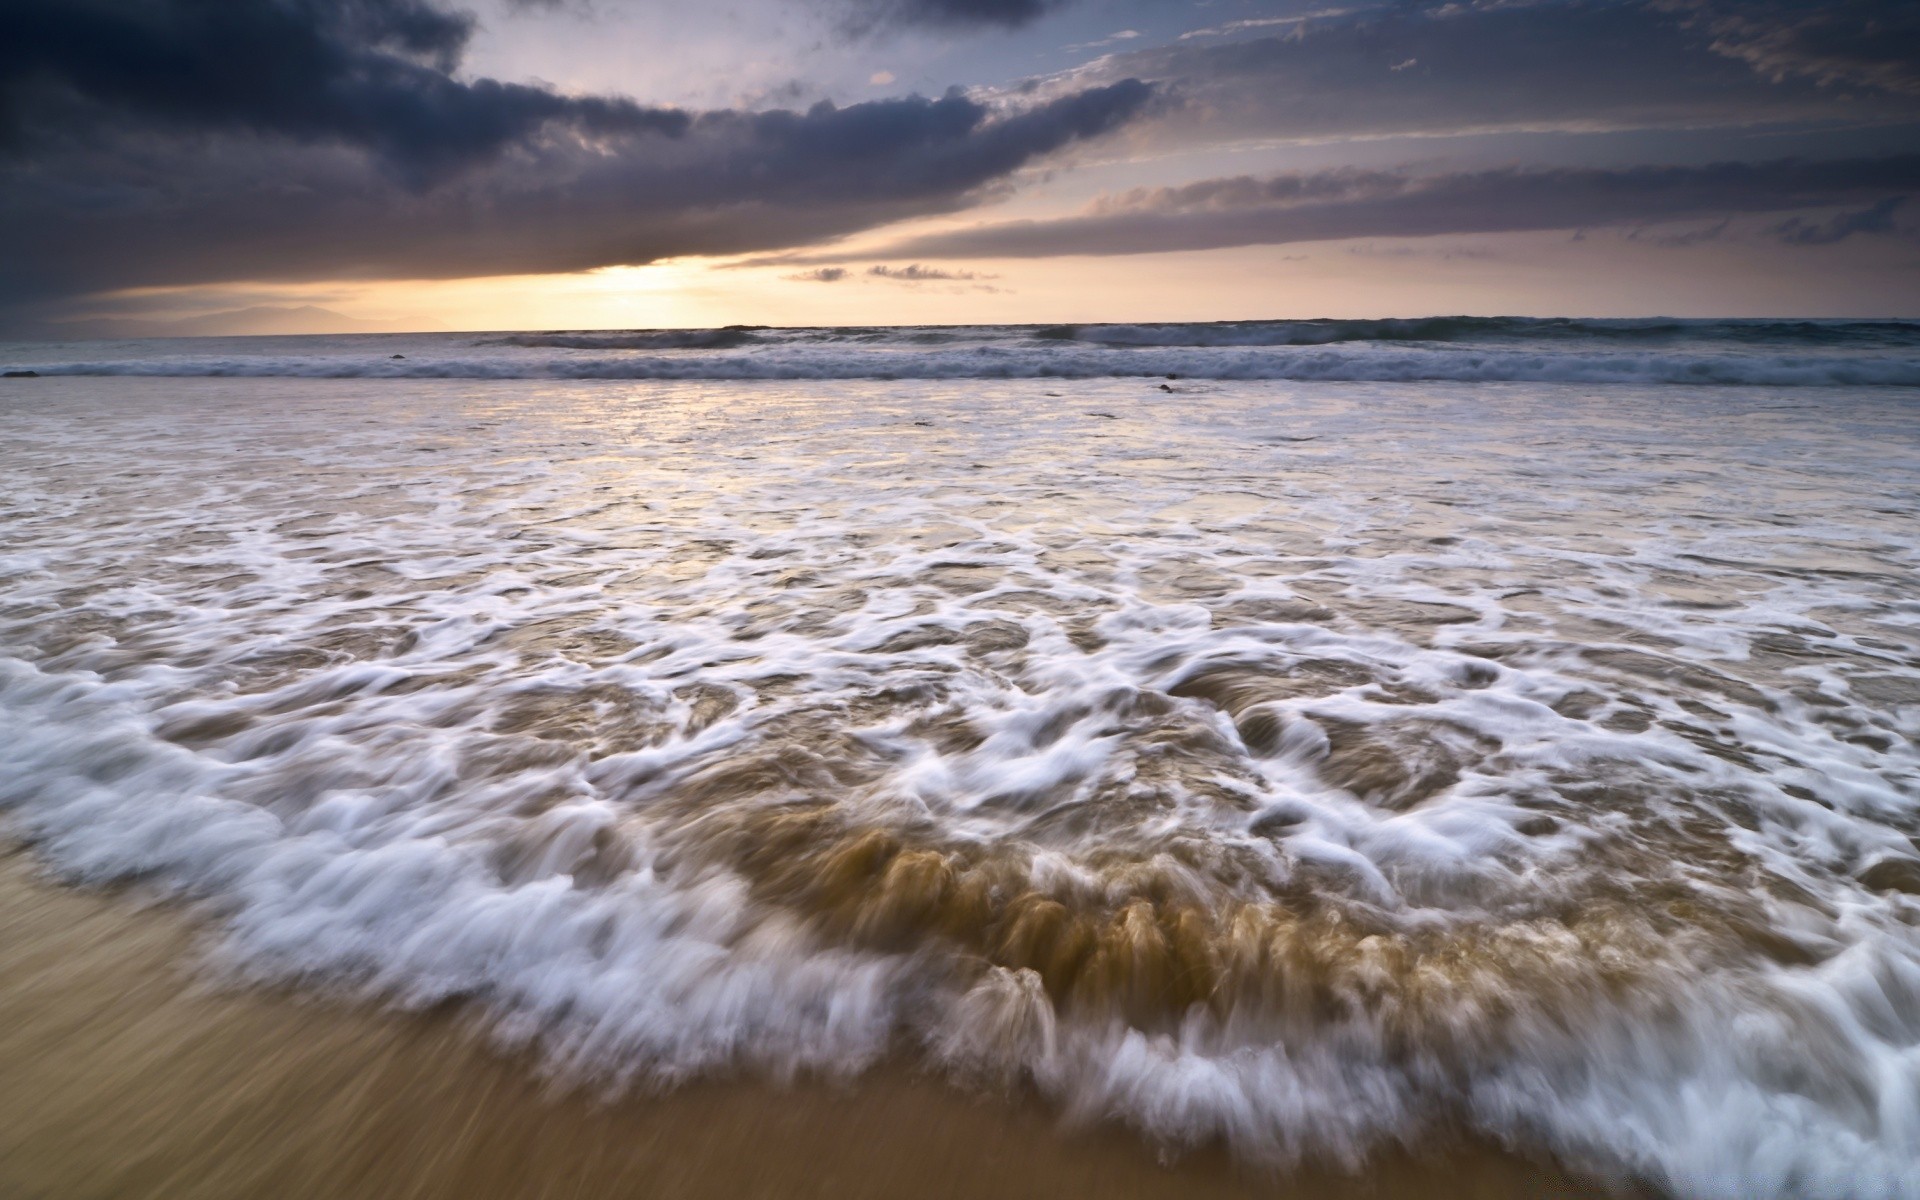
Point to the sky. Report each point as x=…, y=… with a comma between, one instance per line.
x=514, y=164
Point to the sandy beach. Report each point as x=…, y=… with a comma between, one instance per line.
x=126, y=1073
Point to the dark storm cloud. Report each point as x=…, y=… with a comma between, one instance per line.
x=1431, y=68
x=1868, y=43
x=373, y=73
x=1006, y=13
x=185, y=141
x=1331, y=205
x=862, y=17
x=1875, y=218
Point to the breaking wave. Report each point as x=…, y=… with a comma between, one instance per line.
x=660, y=339
x=1544, y=331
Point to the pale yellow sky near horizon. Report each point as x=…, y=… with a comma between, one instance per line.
x=1603, y=273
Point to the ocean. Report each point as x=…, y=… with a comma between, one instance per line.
x=1312, y=739
x=1466, y=349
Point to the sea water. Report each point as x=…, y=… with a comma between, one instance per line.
x=1319, y=751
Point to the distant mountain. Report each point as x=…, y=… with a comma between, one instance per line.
x=239, y=322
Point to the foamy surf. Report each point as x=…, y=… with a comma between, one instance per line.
x=1313, y=770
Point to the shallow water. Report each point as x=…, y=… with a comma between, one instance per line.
x=1314, y=768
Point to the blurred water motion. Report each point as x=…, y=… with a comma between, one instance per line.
x=1291, y=773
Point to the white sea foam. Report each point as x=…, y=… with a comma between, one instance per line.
x=1595, y=714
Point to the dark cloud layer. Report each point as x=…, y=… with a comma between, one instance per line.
x=373, y=73
x=1441, y=68
x=1837, y=43
x=1331, y=205
x=183, y=141
x=868, y=16
x=175, y=142
x=1875, y=218
x=1007, y=13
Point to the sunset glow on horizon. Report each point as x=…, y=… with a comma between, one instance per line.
x=934, y=161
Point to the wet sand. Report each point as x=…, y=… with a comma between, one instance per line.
x=125, y=1073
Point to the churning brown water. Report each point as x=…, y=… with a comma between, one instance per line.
x=1315, y=775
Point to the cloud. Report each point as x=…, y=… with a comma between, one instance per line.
x=1113, y=39
x=1578, y=65
x=912, y=273
x=1867, y=43
x=1006, y=14
x=1340, y=204
x=1875, y=218
x=915, y=273
x=376, y=74
x=174, y=142
x=1231, y=28
x=1685, y=237
x=1438, y=253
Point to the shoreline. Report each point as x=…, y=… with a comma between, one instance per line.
x=125, y=1073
